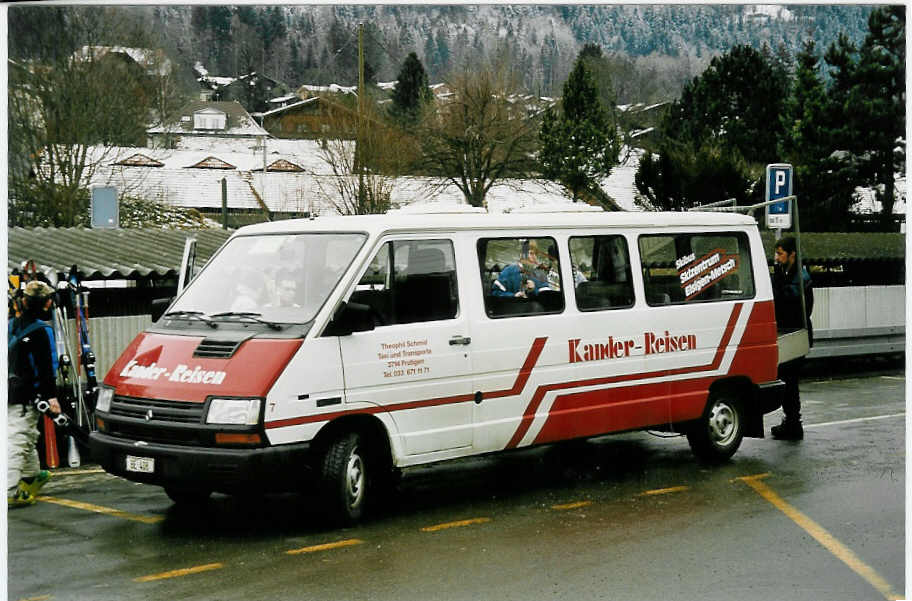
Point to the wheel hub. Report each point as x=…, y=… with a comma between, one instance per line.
x=354, y=479
x=723, y=422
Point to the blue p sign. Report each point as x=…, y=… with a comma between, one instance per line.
x=778, y=185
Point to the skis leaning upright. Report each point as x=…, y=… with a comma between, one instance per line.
x=86, y=357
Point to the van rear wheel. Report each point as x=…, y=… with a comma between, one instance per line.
x=344, y=479
x=718, y=433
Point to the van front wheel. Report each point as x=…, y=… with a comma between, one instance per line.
x=343, y=478
x=718, y=433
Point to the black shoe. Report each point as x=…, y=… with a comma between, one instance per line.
x=788, y=430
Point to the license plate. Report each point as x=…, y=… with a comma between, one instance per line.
x=140, y=464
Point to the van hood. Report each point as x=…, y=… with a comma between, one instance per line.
x=162, y=366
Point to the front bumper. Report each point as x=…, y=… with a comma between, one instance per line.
x=273, y=469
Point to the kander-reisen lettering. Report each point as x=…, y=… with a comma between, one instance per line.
x=182, y=373
x=653, y=344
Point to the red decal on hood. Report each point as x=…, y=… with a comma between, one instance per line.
x=161, y=366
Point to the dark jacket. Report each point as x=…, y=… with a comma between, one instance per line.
x=788, y=302
x=35, y=363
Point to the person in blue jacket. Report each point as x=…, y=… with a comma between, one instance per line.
x=513, y=281
x=32, y=377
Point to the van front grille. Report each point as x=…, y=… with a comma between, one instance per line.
x=161, y=411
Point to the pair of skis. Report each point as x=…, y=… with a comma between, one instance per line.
x=80, y=402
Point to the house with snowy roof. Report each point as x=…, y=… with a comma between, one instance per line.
x=201, y=119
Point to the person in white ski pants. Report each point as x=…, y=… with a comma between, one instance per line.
x=22, y=439
x=32, y=376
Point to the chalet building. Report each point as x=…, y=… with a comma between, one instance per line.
x=313, y=118
x=206, y=120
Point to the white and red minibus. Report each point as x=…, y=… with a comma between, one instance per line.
x=332, y=352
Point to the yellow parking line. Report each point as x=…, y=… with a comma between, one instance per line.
x=68, y=472
x=41, y=598
x=326, y=546
x=458, y=524
x=664, y=491
x=821, y=536
x=571, y=505
x=181, y=572
x=145, y=519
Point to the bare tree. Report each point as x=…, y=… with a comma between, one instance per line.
x=364, y=165
x=82, y=82
x=486, y=132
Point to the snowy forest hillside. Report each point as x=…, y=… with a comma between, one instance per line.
x=661, y=46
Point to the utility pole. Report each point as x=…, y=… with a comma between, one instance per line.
x=359, y=150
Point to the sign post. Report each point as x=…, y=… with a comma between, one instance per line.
x=779, y=185
x=104, y=211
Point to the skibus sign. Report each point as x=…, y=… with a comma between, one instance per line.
x=779, y=185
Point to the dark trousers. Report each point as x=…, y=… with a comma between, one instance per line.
x=791, y=402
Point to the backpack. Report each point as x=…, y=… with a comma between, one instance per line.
x=21, y=371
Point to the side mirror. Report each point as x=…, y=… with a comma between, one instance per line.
x=159, y=306
x=350, y=318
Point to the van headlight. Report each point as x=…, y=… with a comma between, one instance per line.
x=242, y=412
x=103, y=401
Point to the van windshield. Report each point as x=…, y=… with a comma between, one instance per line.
x=282, y=278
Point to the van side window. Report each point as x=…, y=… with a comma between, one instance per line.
x=520, y=276
x=601, y=272
x=409, y=281
x=686, y=268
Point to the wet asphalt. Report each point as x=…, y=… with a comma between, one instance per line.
x=632, y=516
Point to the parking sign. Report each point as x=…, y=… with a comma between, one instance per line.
x=778, y=185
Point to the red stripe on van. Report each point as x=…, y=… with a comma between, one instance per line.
x=540, y=393
x=518, y=385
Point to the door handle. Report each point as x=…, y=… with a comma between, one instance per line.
x=460, y=340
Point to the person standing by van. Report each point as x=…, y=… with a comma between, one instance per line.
x=787, y=286
x=30, y=360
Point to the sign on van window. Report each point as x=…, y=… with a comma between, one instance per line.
x=684, y=268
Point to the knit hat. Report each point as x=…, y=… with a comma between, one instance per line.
x=37, y=289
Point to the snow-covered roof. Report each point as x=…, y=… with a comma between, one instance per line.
x=281, y=99
x=239, y=122
x=193, y=178
x=153, y=60
x=333, y=88
x=288, y=107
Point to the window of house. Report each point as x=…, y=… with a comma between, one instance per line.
x=601, y=272
x=520, y=276
x=209, y=120
x=686, y=268
x=410, y=281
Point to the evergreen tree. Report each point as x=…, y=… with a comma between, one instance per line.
x=736, y=102
x=874, y=107
x=578, y=143
x=823, y=186
x=411, y=93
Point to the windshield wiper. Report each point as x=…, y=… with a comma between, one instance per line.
x=195, y=315
x=249, y=315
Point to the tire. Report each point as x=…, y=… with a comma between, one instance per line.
x=187, y=497
x=344, y=481
x=718, y=433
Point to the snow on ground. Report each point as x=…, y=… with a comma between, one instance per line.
x=619, y=185
x=867, y=202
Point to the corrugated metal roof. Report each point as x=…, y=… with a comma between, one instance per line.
x=115, y=253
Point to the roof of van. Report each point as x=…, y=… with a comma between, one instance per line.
x=376, y=224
